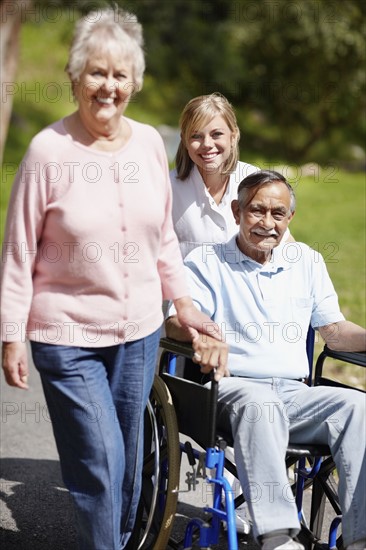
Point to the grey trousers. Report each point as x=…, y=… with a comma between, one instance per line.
x=264, y=415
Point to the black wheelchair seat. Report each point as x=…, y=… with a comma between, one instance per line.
x=192, y=405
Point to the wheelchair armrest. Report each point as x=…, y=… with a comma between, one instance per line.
x=354, y=358
x=174, y=346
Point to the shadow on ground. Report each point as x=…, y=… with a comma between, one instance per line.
x=36, y=510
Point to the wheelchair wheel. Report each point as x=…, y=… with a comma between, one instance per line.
x=160, y=478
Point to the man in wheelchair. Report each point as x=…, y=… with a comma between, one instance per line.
x=264, y=295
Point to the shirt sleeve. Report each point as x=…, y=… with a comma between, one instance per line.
x=326, y=306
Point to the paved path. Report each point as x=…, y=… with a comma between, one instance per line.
x=36, y=512
x=35, y=509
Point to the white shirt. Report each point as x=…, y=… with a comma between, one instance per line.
x=263, y=311
x=197, y=218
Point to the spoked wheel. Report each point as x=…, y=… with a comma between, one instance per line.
x=160, y=479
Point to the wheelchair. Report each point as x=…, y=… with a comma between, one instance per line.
x=170, y=413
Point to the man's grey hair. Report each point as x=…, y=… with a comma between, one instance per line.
x=250, y=185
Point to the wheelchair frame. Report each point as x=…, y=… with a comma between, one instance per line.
x=159, y=512
x=160, y=476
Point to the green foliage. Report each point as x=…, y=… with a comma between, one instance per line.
x=293, y=70
x=42, y=91
x=304, y=71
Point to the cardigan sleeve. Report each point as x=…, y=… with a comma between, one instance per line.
x=25, y=217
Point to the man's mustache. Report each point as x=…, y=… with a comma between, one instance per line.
x=266, y=233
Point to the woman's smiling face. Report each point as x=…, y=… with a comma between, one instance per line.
x=209, y=147
x=105, y=87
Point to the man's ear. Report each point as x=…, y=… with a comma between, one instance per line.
x=236, y=210
x=291, y=216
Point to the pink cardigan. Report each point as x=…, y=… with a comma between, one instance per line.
x=89, y=251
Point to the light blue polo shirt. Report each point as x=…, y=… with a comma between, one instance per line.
x=264, y=311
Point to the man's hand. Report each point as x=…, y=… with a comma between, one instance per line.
x=15, y=364
x=210, y=354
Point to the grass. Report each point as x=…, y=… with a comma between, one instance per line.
x=331, y=205
x=331, y=218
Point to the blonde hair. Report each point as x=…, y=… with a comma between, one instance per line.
x=198, y=112
x=99, y=28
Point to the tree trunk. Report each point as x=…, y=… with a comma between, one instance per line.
x=12, y=15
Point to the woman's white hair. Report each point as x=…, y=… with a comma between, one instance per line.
x=100, y=28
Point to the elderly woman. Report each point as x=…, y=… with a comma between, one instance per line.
x=90, y=252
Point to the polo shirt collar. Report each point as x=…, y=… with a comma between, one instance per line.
x=233, y=255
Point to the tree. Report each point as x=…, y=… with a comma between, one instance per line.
x=294, y=70
x=302, y=71
x=12, y=15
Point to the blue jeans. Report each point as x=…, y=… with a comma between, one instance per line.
x=265, y=414
x=96, y=399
